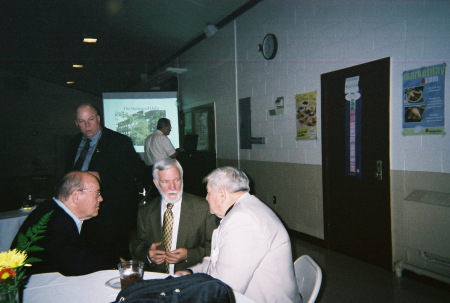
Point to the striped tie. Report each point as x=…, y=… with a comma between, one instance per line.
x=167, y=231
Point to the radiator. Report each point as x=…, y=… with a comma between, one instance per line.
x=428, y=236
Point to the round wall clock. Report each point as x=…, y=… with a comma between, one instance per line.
x=269, y=46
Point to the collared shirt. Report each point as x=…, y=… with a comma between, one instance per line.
x=157, y=147
x=78, y=222
x=92, y=146
x=176, y=210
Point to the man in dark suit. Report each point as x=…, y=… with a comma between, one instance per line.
x=77, y=200
x=114, y=158
x=193, y=224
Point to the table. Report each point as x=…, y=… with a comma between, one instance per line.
x=10, y=222
x=54, y=287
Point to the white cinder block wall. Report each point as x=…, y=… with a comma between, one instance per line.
x=316, y=37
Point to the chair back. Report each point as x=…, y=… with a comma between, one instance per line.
x=309, y=278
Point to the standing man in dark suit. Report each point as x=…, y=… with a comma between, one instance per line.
x=76, y=202
x=114, y=158
x=193, y=224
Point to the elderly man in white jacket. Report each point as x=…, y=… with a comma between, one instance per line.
x=251, y=249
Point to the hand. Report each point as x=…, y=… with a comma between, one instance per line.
x=176, y=256
x=155, y=255
x=182, y=273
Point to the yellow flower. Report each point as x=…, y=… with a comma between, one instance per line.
x=12, y=259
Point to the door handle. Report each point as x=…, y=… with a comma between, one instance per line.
x=379, y=173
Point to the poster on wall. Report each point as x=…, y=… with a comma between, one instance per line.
x=423, y=101
x=201, y=129
x=353, y=110
x=306, y=119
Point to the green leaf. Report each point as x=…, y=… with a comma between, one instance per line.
x=34, y=249
x=33, y=260
x=21, y=242
x=24, y=241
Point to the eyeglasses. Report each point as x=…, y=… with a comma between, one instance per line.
x=96, y=192
x=165, y=182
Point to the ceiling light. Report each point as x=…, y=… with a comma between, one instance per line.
x=210, y=30
x=176, y=70
x=70, y=82
x=90, y=40
x=77, y=66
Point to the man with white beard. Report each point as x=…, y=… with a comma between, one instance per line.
x=192, y=226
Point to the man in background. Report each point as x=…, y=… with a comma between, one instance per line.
x=251, y=249
x=77, y=200
x=112, y=156
x=158, y=145
x=191, y=230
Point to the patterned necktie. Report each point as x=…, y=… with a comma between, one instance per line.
x=79, y=164
x=167, y=231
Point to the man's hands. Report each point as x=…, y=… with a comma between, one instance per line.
x=176, y=256
x=155, y=255
x=173, y=257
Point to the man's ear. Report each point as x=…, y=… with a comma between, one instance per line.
x=75, y=196
x=222, y=193
x=156, y=183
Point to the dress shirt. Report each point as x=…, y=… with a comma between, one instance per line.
x=157, y=147
x=78, y=222
x=92, y=146
x=176, y=210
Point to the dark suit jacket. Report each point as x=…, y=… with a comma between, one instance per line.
x=65, y=251
x=118, y=164
x=194, y=231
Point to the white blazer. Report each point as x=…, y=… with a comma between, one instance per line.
x=251, y=252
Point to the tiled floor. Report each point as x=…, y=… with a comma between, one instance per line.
x=346, y=280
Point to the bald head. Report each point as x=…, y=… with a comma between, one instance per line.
x=80, y=192
x=87, y=120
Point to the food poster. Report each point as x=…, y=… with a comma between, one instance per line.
x=306, y=116
x=423, y=101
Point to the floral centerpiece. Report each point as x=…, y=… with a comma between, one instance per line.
x=13, y=263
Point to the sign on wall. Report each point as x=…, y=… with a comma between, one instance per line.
x=423, y=101
x=353, y=110
x=306, y=119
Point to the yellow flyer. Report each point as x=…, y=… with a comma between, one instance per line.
x=306, y=119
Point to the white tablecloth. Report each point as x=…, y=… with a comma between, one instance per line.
x=54, y=287
x=10, y=222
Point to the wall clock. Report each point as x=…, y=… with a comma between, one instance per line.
x=269, y=46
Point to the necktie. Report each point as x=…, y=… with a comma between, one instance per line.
x=167, y=231
x=82, y=156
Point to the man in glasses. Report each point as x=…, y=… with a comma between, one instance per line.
x=189, y=231
x=77, y=199
x=113, y=157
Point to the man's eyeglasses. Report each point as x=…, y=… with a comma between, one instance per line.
x=165, y=182
x=96, y=192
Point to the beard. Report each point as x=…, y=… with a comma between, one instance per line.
x=176, y=198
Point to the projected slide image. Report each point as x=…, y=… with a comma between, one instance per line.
x=138, y=125
x=136, y=115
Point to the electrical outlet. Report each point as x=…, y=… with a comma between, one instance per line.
x=274, y=199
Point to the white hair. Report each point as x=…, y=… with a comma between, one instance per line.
x=229, y=178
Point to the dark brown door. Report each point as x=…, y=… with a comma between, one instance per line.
x=357, y=211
